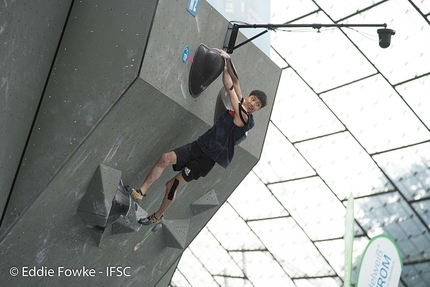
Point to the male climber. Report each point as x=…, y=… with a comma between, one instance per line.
x=196, y=159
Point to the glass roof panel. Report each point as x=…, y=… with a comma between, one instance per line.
x=320, y=58
x=277, y=59
x=338, y=9
x=232, y=281
x=416, y=94
x=327, y=282
x=252, y=200
x=299, y=113
x=296, y=254
x=285, y=11
x=278, y=151
x=230, y=235
x=409, y=170
x=423, y=210
x=262, y=269
x=391, y=214
x=192, y=263
x=334, y=252
x=207, y=241
x=424, y=6
x=344, y=166
x=180, y=279
x=375, y=115
x=417, y=274
x=322, y=217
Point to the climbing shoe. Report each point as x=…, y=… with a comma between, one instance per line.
x=151, y=220
x=137, y=194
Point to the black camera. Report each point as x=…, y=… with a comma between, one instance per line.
x=385, y=37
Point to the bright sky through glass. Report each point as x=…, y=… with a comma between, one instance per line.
x=348, y=117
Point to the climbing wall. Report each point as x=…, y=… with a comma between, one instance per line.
x=118, y=96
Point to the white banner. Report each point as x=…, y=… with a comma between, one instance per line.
x=381, y=264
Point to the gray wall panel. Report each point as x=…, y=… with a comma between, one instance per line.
x=99, y=57
x=29, y=35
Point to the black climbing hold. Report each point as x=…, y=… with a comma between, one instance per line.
x=207, y=66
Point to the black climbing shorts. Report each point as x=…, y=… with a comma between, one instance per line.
x=193, y=162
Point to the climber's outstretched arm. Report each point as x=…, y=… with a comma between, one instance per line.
x=229, y=70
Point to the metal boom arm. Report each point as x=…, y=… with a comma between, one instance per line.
x=233, y=30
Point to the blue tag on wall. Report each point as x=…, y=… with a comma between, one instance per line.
x=192, y=6
x=185, y=54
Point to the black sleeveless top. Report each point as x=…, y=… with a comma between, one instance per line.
x=219, y=141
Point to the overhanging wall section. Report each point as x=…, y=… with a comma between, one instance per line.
x=126, y=121
x=52, y=234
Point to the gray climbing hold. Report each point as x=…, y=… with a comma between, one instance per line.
x=107, y=206
x=175, y=232
x=207, y=66
x=96, y=204
x=207, y=201
x=129, y=222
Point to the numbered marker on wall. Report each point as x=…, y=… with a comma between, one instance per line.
x=192, y=7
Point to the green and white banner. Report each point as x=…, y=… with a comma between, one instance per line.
x=349, y=240
x=381, y=263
